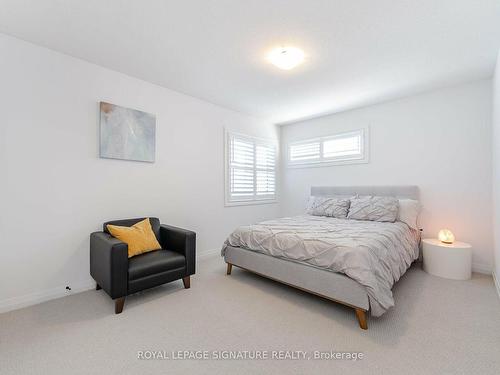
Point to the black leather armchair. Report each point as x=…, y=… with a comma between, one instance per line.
x=120, y=276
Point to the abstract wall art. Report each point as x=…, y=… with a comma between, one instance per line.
x=126, y=133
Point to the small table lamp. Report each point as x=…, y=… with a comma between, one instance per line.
x=446, y=236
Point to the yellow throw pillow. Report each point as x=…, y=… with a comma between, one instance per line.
x=140, y=237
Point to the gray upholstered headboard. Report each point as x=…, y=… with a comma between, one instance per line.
x=398, y=191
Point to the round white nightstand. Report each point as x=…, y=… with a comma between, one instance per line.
x=451, y=261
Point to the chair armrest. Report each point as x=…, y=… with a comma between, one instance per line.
x=181, y=240
x=109, y=263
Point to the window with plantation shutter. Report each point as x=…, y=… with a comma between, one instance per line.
x=342, y=148
x=307, y=151
x=250, y=170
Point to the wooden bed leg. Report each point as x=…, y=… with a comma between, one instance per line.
x=229, y=269
x=361, y=315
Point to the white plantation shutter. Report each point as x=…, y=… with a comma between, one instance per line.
x=251, y=169
x=305, y=151
x=265, y=170
x=242, y=158
x=349, y=147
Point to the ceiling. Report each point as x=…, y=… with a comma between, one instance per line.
x=358, y=52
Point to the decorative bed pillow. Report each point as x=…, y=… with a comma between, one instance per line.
x=374, y=208
x=328, y=206
x=408, y=212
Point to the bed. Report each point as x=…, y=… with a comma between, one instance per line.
x=352, y=262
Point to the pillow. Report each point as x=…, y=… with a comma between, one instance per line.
x=328, y=206
x=374, y=208
x=140, y=237
x=409, y=209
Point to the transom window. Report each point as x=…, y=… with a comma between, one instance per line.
x=250, y=170
x=342, y=148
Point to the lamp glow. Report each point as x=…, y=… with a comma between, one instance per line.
x=446, y=236
x=286, y=58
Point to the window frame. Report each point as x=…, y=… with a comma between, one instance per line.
x=228, y=202
x=363, y=158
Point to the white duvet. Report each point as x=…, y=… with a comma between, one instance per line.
x=375, y=254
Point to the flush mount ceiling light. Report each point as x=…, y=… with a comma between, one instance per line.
x=286, y=58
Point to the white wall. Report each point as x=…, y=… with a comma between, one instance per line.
x=55, y=190
x=496, y=168
x=440, y=141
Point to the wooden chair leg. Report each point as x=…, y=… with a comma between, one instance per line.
x=229, y=269
x=97, y=287
x=119, y=302
x=361, y=315
x=187, y=282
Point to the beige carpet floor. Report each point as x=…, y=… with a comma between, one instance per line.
x=437, y=327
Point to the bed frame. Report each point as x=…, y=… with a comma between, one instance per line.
x=334, y=286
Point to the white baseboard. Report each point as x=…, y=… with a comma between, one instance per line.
x=47, y=295
x=35, y=298
x=482, y=268
x=43, y=296
x=497, y=283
